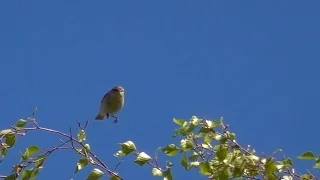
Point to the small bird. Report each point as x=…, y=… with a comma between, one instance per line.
x=111, y=103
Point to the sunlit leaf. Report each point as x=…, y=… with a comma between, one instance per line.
x=115, y=178
x=11, y=177
x=10, y=140
x=156, y=172
x=126, y=148
x=270, y=167
x=194, y=157
x=167, y=175
x=6, y=132
x=95, y=174
x=221, y=154
x=171, y=150
x=82, y=163
x=186, y=145
x=82, y=136
x=21, y=124
x=142, y=159
x=4, y=151
x=307, y=156
x=184, y=163
x=29, y=152
x=205, y=169
x=180, y=122
x=27, y=174
x=40, y=159
x=224, y=174
x=287, y=163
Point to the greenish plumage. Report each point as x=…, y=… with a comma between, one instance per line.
x=111, y=103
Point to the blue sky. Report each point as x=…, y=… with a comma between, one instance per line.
x=256, y=63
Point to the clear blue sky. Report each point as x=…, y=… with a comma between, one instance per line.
x=256, y=63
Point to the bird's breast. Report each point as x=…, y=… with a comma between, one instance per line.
x=114, y=103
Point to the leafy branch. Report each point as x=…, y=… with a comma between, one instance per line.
x=208, y=145
x=32, y=161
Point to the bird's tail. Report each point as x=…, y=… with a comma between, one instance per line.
x=100, y=117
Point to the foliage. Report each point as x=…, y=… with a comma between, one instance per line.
x=205, y=145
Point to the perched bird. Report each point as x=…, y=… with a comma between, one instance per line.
x=111, y=103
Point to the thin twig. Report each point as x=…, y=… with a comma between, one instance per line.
x=72, y=140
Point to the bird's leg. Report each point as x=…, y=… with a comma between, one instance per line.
x=115, y=119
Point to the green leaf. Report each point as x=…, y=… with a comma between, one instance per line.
x=128, y=147
x=194, y=164
x=205, y=169
x=10, y=140
x=30, y=174
x=317, y=165
x=171, y=150
x=6, y=132
x=194, y=157
x=252, y=170
x=212, y=124
x=186, y=145
x=206, y=146
x=204, y=130
x=120, y=154
x=114, y=178
x=39, y=160
x=223, y=140
x=167, y=175
x=4, y=151
x=232, y=136
x=142, y=159
x=180, y=122
x=207, y=139
x=238, y=172
x=156, y=172
x=221, y=154
x=184, y=163
x=195, y=121
x=82, y=136
x=307, y=177
x=29, y=152
x=217, y=137
x=272, y=176
x=183, y=131
x=27, y=174
x=11, y=177
x=82, y=163
x=270, y=167
x=307, y=156
x=193, y=124
x=224, y=174
x=287, y=163
x=21, y=124
x=35, y=173
x=87, y=147
x=95, y=174
x=85, y=150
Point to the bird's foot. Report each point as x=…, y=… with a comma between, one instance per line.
x=116, y=120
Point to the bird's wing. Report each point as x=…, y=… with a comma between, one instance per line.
x=104, y=97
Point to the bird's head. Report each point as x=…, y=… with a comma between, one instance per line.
x=118, y=89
